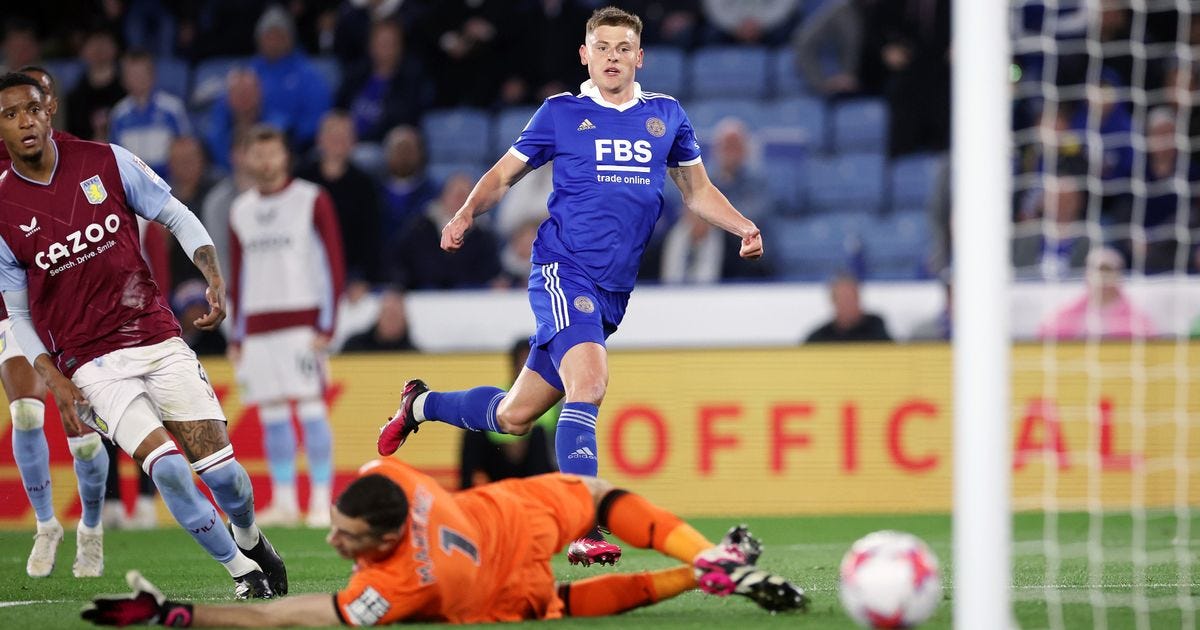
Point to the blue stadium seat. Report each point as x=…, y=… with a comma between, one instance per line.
x=66, y=73
x=784, y=174
x=788, y=79
x=897, y=246
x=913, y=178
x=815, y=248
x=663, y=71
x=846, y=183
x=705, y=114
x=722, y=71
x=510, y=122
x=798, y=112
x=456, y=135
x=208, y=81
x=331, y=69
x=172, y=75
x=860, y=125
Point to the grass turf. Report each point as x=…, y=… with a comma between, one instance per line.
x=807, y=549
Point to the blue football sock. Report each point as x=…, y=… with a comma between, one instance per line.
x=230, y=486
x=173, y=477
x=279, y=440
x=33, y=460
x=472, y=409
x=318, y=442
x=575, y=439
x=91, y=469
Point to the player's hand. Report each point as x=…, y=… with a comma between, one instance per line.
x=145, y=605
x=321, y=342
x=215, y=294
x=456, y=230
x=70, y=402
x=752, y=245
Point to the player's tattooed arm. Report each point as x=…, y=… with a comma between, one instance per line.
x=206, y=261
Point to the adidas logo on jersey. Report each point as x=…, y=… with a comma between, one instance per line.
x=586, y=125
x=582, y=453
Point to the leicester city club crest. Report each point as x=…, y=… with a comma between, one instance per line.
x=93, y=189
x=656, y=127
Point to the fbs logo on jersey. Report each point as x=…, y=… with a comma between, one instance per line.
x=586, y=125
x=31, y=228
x=93, y=189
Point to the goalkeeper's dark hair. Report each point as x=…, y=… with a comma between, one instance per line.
x=377, y=500
x=26, y=69
x=16, y=79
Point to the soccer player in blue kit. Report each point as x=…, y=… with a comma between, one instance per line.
x=613, y=146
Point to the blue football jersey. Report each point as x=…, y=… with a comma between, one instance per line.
x=610, y=164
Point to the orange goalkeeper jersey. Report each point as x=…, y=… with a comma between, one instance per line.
x=475, y=556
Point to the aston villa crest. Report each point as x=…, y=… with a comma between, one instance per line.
x=93, y=189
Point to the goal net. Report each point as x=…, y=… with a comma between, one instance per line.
x=1105, y=398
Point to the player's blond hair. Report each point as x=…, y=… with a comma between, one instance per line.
x=612, y=16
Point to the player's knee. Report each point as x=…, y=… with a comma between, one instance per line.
x=598, y=487
x=28, y=414
x=590, y=391
x=85, y=447
x=514, y=423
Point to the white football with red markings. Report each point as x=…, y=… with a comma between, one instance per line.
x=890, y=580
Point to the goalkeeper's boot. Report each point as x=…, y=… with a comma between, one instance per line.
x=252, y=585
x=723, y=570
x=739, y=537
x=593, y=548
x=45, y=548
x=393, y=434
x=89, y=552
x=269, y=561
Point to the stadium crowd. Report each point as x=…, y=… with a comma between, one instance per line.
x=825, y=121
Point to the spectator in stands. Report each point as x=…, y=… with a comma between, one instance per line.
x=488, y=456
x=294, y=93
x=525, y=202
x=388, y=88
x=516, y=254
x=147, y=120
x=215, y=209
x=916, y=52
x=353, y=22
x=764, y=22
x=1053, y=242
x=390, y=332
x=355, y=194
x=189, y=303
x=408, y=188
x=693, y=252
x=149, y=25
x=1166, y=178
x=89, y=105
x=218, y=28
x=667, y=22
x=737, y=174
x=21, y=46
x=416, y=260
x=234, y=113
x=1104, y=309
x=468, y=43
x=849, y=322
x=851, y=29
x=548, y=64
x=940, y=327
x=190, y=183
x=1116, y=134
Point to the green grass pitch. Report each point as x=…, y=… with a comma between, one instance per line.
x=807, y=549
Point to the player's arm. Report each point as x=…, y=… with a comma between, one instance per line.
x=13, y=286
x=150, y=197
x=506, y=172
x=701, y=196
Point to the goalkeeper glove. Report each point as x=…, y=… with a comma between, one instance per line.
x=145, y=605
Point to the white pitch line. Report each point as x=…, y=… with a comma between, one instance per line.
x=33, y=601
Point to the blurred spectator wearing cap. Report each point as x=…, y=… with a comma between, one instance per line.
x=390, y=332
x=1104, y=309
x=89, y=105
x=388, y=88
x=294, y=94
x=147, y=120
x=189, y=303
x=355, y=194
